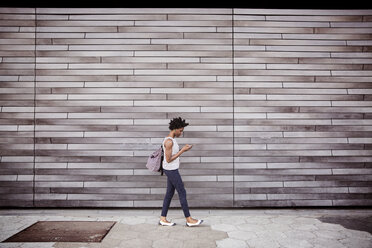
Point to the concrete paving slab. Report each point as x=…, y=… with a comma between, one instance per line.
x=224, y=228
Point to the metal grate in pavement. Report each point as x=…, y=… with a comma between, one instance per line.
x=63, y=231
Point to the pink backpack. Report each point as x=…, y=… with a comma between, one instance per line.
x=155, y=161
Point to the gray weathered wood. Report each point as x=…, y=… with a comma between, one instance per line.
x=278, y=101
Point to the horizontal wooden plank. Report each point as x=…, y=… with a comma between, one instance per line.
x=72, y=23
x=268, y=23
x=312, y=18
x=145, y=11
x=57, y=29
x=13, y=10
x=306, y=12
x=107, y=16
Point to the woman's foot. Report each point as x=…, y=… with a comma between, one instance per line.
x=193, y=222
x=164, y=222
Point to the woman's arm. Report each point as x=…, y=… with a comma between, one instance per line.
x=168, y=151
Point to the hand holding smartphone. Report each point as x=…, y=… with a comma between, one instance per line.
x=187, y=147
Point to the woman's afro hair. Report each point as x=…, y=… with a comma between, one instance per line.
x=177, y=123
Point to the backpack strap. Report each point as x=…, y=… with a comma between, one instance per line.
x=161, y=170
x=162, y=157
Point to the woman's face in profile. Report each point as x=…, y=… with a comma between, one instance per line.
x=178, y=132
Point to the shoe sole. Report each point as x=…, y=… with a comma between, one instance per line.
x=194, y=224
x=166, y=225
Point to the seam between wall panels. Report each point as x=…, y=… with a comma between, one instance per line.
x=233, y=100
x=34, y=152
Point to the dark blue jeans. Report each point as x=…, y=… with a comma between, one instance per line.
x=174, y=182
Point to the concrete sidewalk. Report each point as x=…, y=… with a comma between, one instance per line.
x=232, y=228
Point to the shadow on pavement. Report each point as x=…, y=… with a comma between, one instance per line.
x=360, y=223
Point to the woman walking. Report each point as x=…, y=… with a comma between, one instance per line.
x=171, y=164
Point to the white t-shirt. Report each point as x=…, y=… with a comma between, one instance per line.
x=175, y=164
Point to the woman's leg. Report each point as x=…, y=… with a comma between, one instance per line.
x=168, y=196
x=177, y=182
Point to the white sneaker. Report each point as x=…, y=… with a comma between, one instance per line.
x=194, y=224
x=166, y=223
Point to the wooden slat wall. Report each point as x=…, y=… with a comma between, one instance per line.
x=17, y=67
x=278, y=102
x=108, y=83
x=302, y=109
